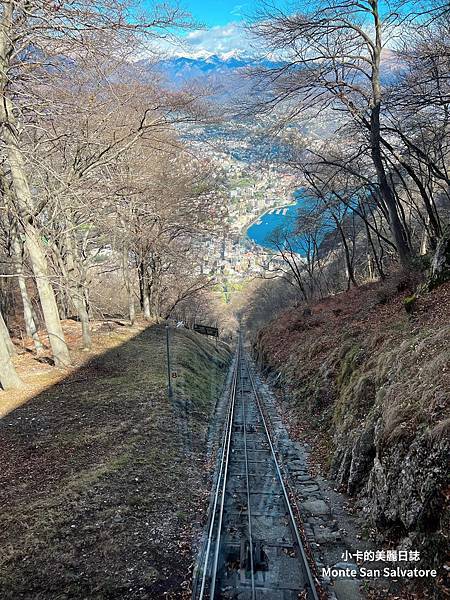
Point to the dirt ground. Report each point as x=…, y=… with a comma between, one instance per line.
x=102, y=481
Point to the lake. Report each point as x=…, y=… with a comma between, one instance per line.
x=283, y=217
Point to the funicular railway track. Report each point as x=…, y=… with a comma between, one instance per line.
x=253, y=549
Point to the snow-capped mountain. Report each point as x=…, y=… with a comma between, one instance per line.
x=227, y=69
x=224, y=71
x=177, y=69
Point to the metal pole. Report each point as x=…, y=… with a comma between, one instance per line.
x=169, y=374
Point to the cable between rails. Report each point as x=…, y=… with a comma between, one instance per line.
x=249, y=515
x=308, y=572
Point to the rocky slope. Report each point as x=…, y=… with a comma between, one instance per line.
x=369, y=381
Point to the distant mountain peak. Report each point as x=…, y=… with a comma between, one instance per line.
x=233, y=54
x=222, y=71
x=211, y=56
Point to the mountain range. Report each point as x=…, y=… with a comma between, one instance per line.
x=224, y=74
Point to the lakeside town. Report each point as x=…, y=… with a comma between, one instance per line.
x=253, y=188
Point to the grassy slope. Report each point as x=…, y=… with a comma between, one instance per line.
x=370, y=384
x=100, y=489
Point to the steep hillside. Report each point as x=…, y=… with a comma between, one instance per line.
x=102, y=479
x=366, y=375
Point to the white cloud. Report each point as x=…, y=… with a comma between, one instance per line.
x=237, y=10
x=230, y=40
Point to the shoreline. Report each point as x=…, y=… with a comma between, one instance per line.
x=276, y=207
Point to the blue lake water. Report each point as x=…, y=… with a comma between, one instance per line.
x=283, y=218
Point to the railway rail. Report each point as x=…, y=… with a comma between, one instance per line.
x=253, y=549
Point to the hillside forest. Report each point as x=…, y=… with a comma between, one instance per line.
x=114, y=218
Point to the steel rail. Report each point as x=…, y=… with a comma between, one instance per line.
x=217, y=513
x=249, y=514
x=225, y=448
x=225, y=477
x=309, y=574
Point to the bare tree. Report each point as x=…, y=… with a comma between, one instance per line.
x=38, y=39
x=333, y=61
x=8, y=376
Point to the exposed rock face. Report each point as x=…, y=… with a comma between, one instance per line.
x=400, y=486
x=362, y=459
x=404, y=486
x=440, y=265
x=398, y=468
x=381, y=401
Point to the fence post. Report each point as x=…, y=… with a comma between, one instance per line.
x=169, y=374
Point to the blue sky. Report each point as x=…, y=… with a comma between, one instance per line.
x=222, y=26
x=218, y=13
x=221, y=29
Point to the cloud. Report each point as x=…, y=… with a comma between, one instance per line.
x=230, y=39
x=239, y=10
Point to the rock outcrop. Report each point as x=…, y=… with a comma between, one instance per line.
x=373, y=383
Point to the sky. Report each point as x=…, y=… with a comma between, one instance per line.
x=221, y=27
x=219, y=12
x=221, y=31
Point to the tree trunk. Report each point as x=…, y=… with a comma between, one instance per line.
x=153, y=273
x=8, y=376
x=4, y=333
x=141, y=283
x=144, y=291
x=131, y=309
x=440, y=265
x=370, y=269
x=350, y=273
x=83, y=315
x=146, y=300
x=395, y=224
x=47, y=297
x=75, y=281
x=30, y=324
x=23, y=195
x=433, y=221
x=128, y=286
x=387, y=194
x=426, y=242
x=63, y=298
x=378, y=260
x=37, y=256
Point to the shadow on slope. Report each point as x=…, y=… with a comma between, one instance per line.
x=99, y=491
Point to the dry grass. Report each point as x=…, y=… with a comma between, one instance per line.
x=102, y=480
x=355, y=355
x=417, y=385
x=38, y=375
